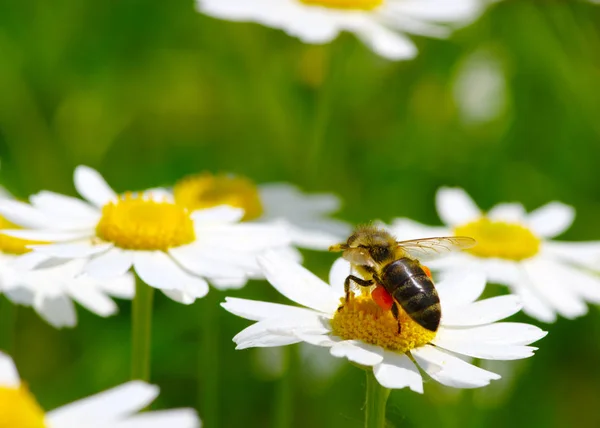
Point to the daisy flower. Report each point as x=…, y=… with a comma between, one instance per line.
x=380, y=24
x=115, y=408
x=515, y=248
x=305, y=217
x=170, y=247
x=51, y=290
x=367, y=335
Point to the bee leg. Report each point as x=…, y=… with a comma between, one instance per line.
x=359, y=281
x=396, y=314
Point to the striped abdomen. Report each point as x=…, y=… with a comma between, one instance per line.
x=406, y=281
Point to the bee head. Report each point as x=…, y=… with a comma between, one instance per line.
x=368, y=245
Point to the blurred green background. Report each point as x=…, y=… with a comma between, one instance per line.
x=148, y=91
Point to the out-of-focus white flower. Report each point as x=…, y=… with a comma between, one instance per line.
x=380, y=24
x=170, y=247
x=304, y=216
x=515, y=248
x=115, y=408
x=362, y=332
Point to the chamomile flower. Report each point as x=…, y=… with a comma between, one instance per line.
x=115, y=408
x=380, y=24
x=170, y=247
x=362, y=332
x=514, y=248
x=304, y=216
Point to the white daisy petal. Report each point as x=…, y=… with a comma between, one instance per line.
x=548, y=280
x=440, y=10
x=485, y=350
x=358, y=352
x=157, y=270
x=534, y=305
x=508, y=212
x=459, y=287
x=482, y=312
x=455, y=207
x=223, y=214
x=302, y=324
x=179, y=418
x=72, y=250
x=405, y=229
x=298, y=284
x=122, y=287
x=90, y=184
x=110, y=264
x=228, y=283
x=551, y=220
x=29, y=260
x=57, y=310
x=180, y=296
x=256, y=311
x=586, y=254
x=9, y=376
x=206, y=262
x=22, y=214
x=94, y=300
x=385, y=42
x=106, y=407
x=268, y=341
x=47, y=235
x=450, y=370
x=55, y=204
x=398, y=371
x=337, y=275
x=501, y=333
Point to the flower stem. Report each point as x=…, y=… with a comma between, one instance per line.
x=8, y=321
x=141, y=328
x=284, y=394
x=376, y=400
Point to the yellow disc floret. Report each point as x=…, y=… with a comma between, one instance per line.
x=346, y=4
x=11, y=245
x=498, y=239
x=206, y=190
x=18, y=409
x=362, y=319
x=137, y=223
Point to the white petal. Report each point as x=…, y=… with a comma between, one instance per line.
x=485, y=350
x=405, y=229
x=585, y=254
x=249, y=237
x=158, y=270
x=179, y=418
x=90, y=184
x=586, y=284
x=204, y=262
x=455, y=207
x=509, y=213
x=228, y=283
x=288, y=326
x=358, y=352
x=500, y=333
x=460, y=287
x=9, y=376
x=110, y=264
x=57, y=310
x=108, y=406
x=313, y=239
x=222, y=214
x=55, y=204
x=534, y=305
x=256, y=311
x=440, y=10
x=398, y=371
x=268, y=341
x=180, y=296
x=92, y=299
x=23, y=214
x=29, y=260
x=547, y=279
x=552, y=219
x=298, y=284
x=72, y=250
x=122, y=286
x=283, y=200
x=482, y=312
x=48, y=235
x=340, y=269
x=449, y=370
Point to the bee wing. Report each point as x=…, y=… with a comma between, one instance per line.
x=429, y=248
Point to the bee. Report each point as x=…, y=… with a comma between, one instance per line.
x=394, y=265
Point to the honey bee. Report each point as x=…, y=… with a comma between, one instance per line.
x=394, y=265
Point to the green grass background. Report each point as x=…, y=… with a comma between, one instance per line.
x=148, y=91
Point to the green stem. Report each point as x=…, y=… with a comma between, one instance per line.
x=284, y=396
x=377, y=397
x=8, y=322
x=141, y=328
x=208, y=363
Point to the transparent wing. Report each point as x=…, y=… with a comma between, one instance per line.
x=428, y=248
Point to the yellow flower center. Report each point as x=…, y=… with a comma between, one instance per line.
x=134, y=222
x=207, y=190
x=18, y=409
x=510, y=241
x=362, y=319
x=346, y=4
x=10, y=245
